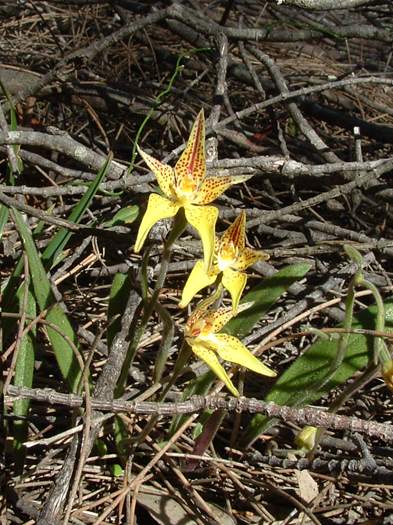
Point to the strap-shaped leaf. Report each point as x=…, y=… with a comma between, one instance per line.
x=299, y=380
x=24, y=372
x=45, y=299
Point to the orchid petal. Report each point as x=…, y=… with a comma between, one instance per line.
x=235, y=283
x=203, y=219
x=157, y=208
x=219, y=318
x=164, y=174
x=248, y=257
x=212, y=187
x=231, y=349
x=202, y=310
x=210, y=358
x=235, y=235
x=192, y=162
x=197, y=280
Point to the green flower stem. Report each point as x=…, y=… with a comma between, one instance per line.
x=381, y=353
x=178, y=228
x=344, y=338
x=348, y=320
x=168, y=332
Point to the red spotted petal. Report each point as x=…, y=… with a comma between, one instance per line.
x=164, y=174
x=202, y=310
x=235, y=283
x=203, y=219
x=192, y=163
x=235, y=234
x=231, y=349
x=197, y=280
x=157, y=208
x=213, y=187
x=220, y=317
x=248, y=257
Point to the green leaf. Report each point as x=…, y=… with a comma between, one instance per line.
x=3, y=218
x=116, y=470
x=122, y=439
x=10, y=178
x=264, y=295
x=296, y=382
x=65, y=357
x=126, y=215
x=24, y=371
x=58, y=242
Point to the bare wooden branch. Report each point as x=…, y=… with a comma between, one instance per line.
x=301, y=416
x=322, y=5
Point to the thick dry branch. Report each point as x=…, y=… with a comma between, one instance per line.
x=337, y=84
x=210, y=27
x=288, y=167
x=66, y=145
x=255, y=166
x=322, y=5
x=365, y=180
x=301, y=416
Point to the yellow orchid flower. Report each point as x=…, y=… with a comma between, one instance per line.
x=202, y=334
x=186, y=186
x=230, y=258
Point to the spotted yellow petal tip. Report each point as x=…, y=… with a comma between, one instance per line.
x=191, y=166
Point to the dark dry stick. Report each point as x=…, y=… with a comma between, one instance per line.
x=104, y=389
x=207, y=26
x=62, y=69
x=304, y=126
